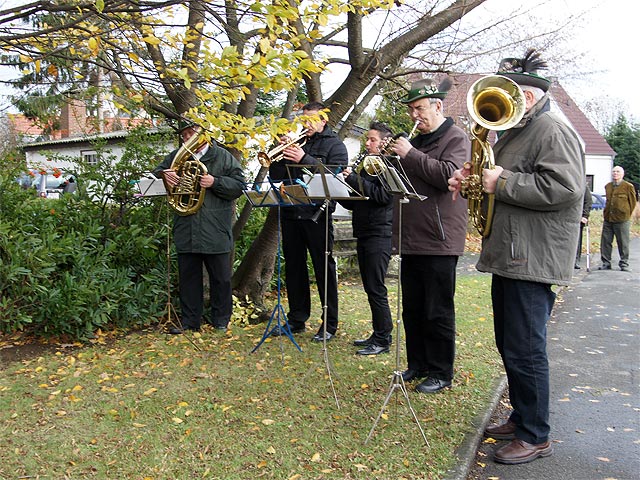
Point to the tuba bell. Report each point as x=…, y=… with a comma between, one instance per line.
x=495, y=103
x=187, y=196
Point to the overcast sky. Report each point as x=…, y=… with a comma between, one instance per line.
x=609, y=36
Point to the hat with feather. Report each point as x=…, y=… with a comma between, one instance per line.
x=524, y=71
x=427, y=88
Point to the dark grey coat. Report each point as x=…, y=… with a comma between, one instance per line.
x=208, y=230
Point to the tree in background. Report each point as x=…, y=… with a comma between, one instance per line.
x=209, y=61
x=624, y=138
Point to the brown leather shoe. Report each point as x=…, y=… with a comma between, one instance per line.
x=505, y=431
x=518, y=451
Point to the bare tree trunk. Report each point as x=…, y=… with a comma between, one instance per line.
x=258, y=264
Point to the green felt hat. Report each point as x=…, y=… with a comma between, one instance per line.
x=524, y=71
x=427, y=88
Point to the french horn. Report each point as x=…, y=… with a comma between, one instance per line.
x=187, y=196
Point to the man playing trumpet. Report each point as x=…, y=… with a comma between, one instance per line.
x=303, y=226
x=433, y=235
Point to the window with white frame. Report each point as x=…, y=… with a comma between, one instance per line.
x=90, y=157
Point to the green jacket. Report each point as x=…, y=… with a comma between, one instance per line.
x=621, y=200
x=208, y=230
x=538, y=202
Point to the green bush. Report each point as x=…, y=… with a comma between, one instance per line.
x=72, y=265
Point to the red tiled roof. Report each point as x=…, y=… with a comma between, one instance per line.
x=455, y=106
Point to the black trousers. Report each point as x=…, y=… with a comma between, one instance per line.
x=298, y=237
x=373, y=261
x=521, y=310
x=428, y=312
x=191, y=288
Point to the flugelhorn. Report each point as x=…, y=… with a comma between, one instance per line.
x=277, y=153
x=495, y=103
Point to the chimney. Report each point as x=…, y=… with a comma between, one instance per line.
x=73, y=119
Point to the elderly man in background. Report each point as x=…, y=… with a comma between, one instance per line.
x=621, y=201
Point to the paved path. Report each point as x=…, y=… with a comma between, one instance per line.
x=594, y=354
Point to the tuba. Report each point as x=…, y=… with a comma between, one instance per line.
x=495, y=103
x=277, y=153
x=187, y=196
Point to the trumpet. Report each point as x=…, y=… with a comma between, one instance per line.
x=387, y=145
x=277, y=153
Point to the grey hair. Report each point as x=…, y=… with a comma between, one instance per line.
x=538, y=93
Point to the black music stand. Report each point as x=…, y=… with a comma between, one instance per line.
x=268, y=194
x=150, y=186
x=398, y=184
x=324, y=183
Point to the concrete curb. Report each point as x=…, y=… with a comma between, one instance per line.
x=466, y=453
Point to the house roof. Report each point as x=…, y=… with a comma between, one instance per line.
x=456, y=107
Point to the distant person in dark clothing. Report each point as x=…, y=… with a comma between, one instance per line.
x=584, y=220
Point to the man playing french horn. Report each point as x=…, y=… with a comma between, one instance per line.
x=202, y=235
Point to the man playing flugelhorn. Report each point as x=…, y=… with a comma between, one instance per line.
x=303, y=226
x=371, y=221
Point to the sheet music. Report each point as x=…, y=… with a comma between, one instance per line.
x=150, y=186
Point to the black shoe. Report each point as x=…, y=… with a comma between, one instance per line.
x=368, y=341
x=321, y=337
x=410, y=374
x=604, y=267
x=576, y=266
x=624, y=268
x=373, y=349
x=432, y=385
x=281, y=330
x=180, y=330
x=364, y=342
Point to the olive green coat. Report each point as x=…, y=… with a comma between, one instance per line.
x=208, y=231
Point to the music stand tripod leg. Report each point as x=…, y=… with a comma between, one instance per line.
x=278, y=310
x=172, y=316
x=397, y=381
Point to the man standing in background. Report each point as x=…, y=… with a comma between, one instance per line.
x=621, y=201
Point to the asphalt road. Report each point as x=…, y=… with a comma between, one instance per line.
x=594, y=355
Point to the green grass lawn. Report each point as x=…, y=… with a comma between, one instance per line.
x=151, y=406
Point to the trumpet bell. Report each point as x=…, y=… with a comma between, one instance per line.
x=496, y=102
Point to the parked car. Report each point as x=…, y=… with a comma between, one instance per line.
x=597, y=201
x=49, y=184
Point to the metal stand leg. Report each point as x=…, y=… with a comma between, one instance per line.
x=278, y=311
x=325, y=352
x=397, y=383
x=172, y=316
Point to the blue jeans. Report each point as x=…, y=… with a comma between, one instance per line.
x=521, y=310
